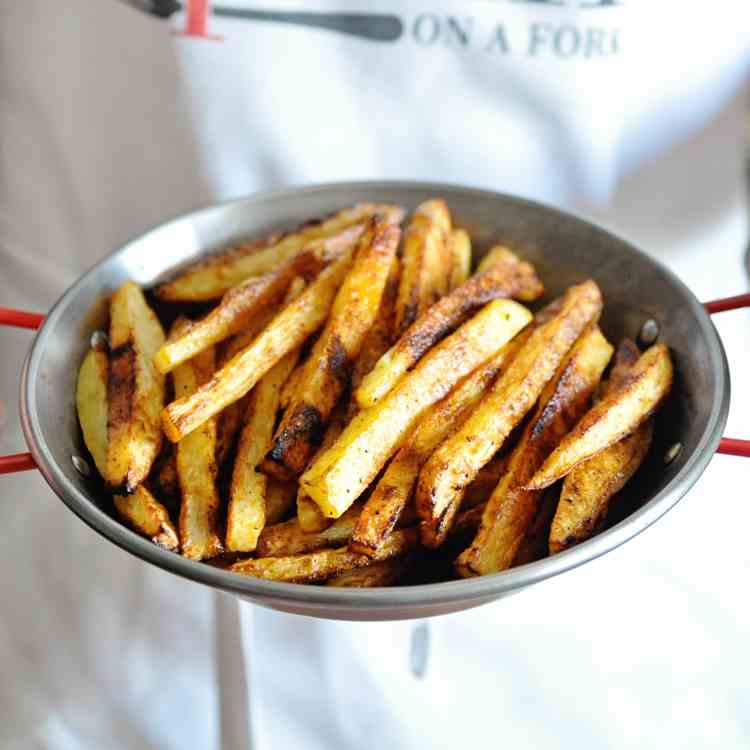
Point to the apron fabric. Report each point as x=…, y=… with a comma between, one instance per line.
x=111, y=122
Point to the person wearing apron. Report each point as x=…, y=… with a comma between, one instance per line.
x=113, y=119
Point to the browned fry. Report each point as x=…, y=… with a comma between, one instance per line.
x=511, y=509
x=196, y=462
x=588, y=488
x=211, y=278
x=247, y=496
x=479, y=491
x=286, y=332
x=164, y=476
x=534, y=544
x=289, y=389
x=460, y=457
x=280, y=498
x=91, y=404
x=467, y=521
x=329, y=366
x=395, y=488
x=508, y=277
x=325, y=563
x=460, y=247
x=239, y=307
x=340, y=474
x=289, y=538
x=618, y=414
x=383, y=573
x=135, y=389
x=148, y=517
x=426, y=266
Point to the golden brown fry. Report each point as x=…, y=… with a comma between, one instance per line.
x=383, y=573
x=459, y=458
x=460, y=246
x=164, y=475
x=196, y=463
x=511, y=509
x=395, y=488
x=506, y=278
x=148, y=517
x=91, y=403
x=328, y=368
x=340, y=475
x=289, y=538
x=135, y=390
x=533, y=547
x=238, y=308
x=280, y=499
x=424, y=276
x=287, y=331
x=247, y=496
x=289, y=390
x=588, y=488
x=211, y=278
x=479, y=491
x=496, y=254
x=323, y=564
x=618, y=414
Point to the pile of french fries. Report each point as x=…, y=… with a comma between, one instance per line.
x=356, y=403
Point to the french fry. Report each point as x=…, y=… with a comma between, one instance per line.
x=323, y=564
x=496, y=254
x=280, y=498
x=588, y=488
x=460, y=245
x=91, y=403
x=534, y=544
x=395, y=488
x=148, y=517
x=511, y=510
x=479, y=491
x=247, y=496
x=196, y=462
x=238, y=308
x=289, y=538
x=329, y=366
x=383, y=573
x=424, y=276
x=289, y=390
x=340, y=475
x=621, y=412
x=506, y=278
x=164, y=475
x=460, y=457
x=380, y=336
x=286, y=332
x=210, y=279
x=135, y=389
x=309, y=515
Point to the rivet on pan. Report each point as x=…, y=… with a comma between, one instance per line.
x=81, y=466
x=420, y=650
x=672, y=453
x=99, y=341
x=649, y=332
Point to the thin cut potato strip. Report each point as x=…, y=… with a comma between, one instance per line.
x=511, y=509
x=280, y=498
x=287, y=331
x=196, y=463
x=135, y=389
x=460, y=457
x=340, y=475
x=618, y=414
x=328, y=368
x=148, y=517
x=91, y=403
x=395, y=488
x=210, y=279
x=506, y=278
x=246, y=516
x=479, y=491
x=534, y=544
x=323, y=564
x=289, y=538
x=426, y=262
x=383, y=573
x=460, y=247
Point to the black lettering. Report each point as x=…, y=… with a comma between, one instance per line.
x=539, y=36
x=458, y=31
x=426, y=28
x=499, y=41
x=567, y=41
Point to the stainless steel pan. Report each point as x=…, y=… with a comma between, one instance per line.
x=564, y=248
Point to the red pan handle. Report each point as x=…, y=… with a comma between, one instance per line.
x=731, y=446
x=23, y=319
x=18, y=319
